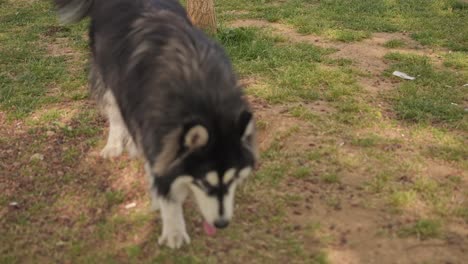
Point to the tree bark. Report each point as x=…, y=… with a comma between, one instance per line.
x=202, y=14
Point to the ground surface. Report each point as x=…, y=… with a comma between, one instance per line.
x=358, y=166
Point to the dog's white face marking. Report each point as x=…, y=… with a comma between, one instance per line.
x=229, y=175
x=214, y=207
x=208, y=205
x=212, y=178
x=179, y=188
x=249, y=130
x=228, y=201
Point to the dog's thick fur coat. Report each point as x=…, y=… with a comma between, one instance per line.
x=171, y=97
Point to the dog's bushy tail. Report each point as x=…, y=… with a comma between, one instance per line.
x=71, y=11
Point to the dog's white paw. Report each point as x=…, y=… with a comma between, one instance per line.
x=174, y=239
x=154, y=205
x=110, y=151
x=132, y=149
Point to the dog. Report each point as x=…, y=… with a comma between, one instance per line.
x=171, y=97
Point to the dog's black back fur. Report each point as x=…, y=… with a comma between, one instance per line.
x=166, y=74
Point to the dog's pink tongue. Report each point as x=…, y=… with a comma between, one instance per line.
x=209, y=229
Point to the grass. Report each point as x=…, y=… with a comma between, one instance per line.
x=302, y=172
x=366, y=142
x=25, y=87
x=291, y=72
x=401, y=199
x=347, y=35
x=423, y=229
x=380, y=183
x=438, y=23
x=394, y=43
x=435, y=96
x=331, y=178
x=462, y=212
x=449, y=153
x=457, y=60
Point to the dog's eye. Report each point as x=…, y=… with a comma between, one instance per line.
x=204, y=185
x=207, y=185
x=201, y=185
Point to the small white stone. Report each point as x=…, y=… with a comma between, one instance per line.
x=37, y=156
x=130, y=205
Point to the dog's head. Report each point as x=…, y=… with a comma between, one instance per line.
x=211, y=159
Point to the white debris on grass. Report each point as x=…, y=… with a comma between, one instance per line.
x=403, y=75
x=37, y=156
x=130, y=205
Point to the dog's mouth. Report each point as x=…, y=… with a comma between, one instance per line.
x=209, y=229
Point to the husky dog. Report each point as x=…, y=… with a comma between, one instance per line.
x=171, y=97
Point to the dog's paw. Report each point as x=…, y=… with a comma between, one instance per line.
x=110, y=151
x=174, y=239
x=132, y=150
x=154, y=205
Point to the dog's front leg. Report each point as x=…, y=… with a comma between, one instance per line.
x=174, y=234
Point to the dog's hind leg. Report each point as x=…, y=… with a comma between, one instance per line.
x=152, y=190
x=131, y=148
x=118, y=133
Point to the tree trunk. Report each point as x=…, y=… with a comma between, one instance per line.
x=202, y=14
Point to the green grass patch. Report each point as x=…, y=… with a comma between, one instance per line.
x=330, y=178
x=394, y=43
x=462, y=212
x=434, y=97
x=423, y=229
x=114, y=197
x=302, y=172
x=380, y=183
x=434, y=23
x=457, y=153
x=401, y=199
x=272, y=173
x=366, y=142
x=29, y=74
x=457, y=60
x=85, y=123
x=71, y=155
x=291, y=71
x=303, y=112
x=320, y=258
x=347, y=35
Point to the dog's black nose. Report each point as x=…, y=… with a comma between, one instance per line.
x=221, y=223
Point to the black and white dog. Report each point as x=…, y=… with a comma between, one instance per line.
x=171, y=97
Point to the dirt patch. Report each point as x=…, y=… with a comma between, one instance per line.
x=339, y=219
x=272, y=121
x=320, y=107
x=58, y=48
x=65, y=111
x=236, y=12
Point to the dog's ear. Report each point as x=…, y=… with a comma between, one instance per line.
x=195, y=136
x=247, y=132
x=246, y=125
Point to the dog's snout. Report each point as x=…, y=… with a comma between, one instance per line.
x=221, y=223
